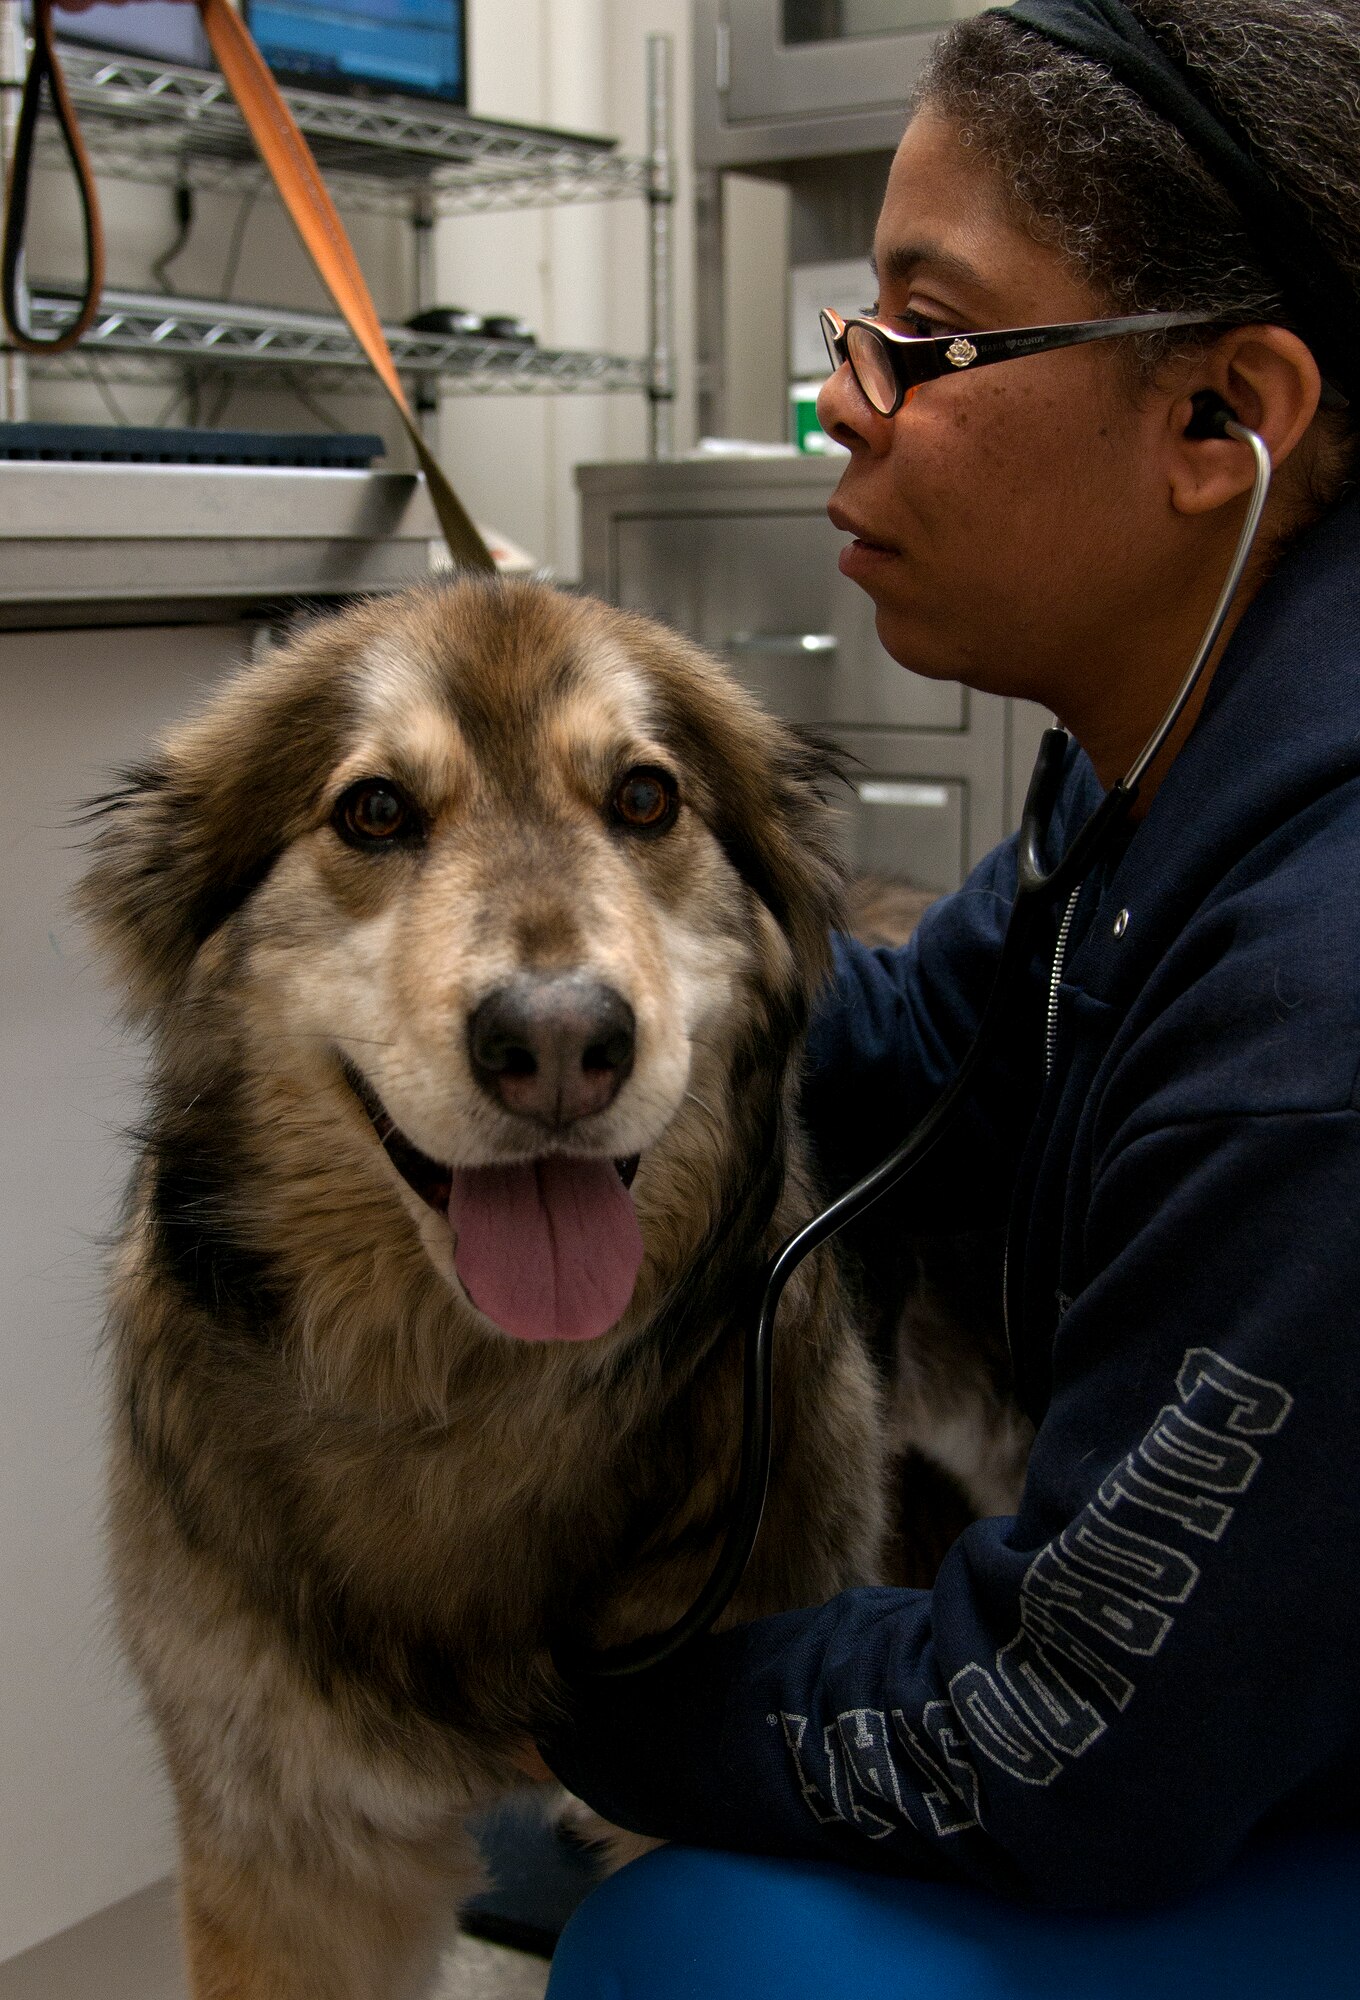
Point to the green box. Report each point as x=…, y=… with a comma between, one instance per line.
x=804, y=429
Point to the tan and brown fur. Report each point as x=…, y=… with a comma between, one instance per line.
x=958, y=1441
x=350, y=1519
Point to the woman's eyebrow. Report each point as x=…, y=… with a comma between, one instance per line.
x=906, y=260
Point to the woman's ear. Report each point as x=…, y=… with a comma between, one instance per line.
x=1269, y=380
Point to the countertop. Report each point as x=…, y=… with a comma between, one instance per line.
x=146, y=544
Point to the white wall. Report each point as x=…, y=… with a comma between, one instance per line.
x=578, y=273
x=755, y=333
x=84, y=1818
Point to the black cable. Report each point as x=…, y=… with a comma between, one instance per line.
x=190, y=390
x=311, y=404
x=106, y=395
x=184, y=223
x=234, y=248
x=220, y=402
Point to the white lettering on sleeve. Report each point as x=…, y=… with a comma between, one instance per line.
x=1102, y=1595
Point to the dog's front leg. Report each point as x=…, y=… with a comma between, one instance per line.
x=275, y=1931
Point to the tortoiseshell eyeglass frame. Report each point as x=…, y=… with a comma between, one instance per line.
x=914, y=359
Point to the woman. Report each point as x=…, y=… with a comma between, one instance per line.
x=1102, y=1699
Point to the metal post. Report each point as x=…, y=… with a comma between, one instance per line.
x=660, y=212
x=710, y=384
x=13, y=62
x=427, y=386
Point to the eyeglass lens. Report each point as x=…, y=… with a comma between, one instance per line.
x=869, y=361
x=872, y=368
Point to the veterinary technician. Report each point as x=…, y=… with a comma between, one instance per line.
x=1104, y=1698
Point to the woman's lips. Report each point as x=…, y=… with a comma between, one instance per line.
x=862, y=560
x=866, y=555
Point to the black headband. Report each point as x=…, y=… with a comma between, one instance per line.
x=1280, y=228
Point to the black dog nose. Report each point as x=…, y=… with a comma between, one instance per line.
x=553, y=1047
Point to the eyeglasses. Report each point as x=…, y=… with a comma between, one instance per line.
x=890, y=367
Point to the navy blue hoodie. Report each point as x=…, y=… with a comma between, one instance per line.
x=1103, y=1696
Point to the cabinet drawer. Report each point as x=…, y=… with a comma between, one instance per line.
x=763, y=591
x=914, y=829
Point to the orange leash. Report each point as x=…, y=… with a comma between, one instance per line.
x=303, y=192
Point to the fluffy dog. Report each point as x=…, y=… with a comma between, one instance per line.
x=474, y=932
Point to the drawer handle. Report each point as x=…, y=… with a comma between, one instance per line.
x=936, y=797
x=781, y=642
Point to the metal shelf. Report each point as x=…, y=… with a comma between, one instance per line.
x=159, y=122
x=146, y=330
x=167, y=123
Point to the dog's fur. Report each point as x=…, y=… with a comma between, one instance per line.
x=349, y=1517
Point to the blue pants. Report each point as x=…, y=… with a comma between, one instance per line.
x=687, y=1925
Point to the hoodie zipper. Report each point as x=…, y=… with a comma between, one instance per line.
x=1050, y=1055
x=1055, y=981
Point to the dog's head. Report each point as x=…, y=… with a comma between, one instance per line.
x=479, y=895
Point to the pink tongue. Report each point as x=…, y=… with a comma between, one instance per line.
x=549, y=1251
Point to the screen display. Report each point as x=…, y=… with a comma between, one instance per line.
x=396, y=45
x=164, y=30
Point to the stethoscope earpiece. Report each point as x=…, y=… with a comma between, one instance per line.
x=1212, y=416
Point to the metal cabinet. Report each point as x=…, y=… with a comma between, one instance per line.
x=740, y=556
x=762, y=588
x=780, y=79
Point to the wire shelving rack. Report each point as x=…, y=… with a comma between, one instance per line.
x=167, y=124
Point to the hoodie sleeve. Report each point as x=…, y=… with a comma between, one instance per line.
x=1100, y=1698
x=889, y=1033
x=892, y=1027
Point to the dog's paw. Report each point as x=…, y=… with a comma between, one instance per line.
x=578, y=1822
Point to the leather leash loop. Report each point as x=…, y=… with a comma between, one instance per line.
x=45, y=68
x=303, y=192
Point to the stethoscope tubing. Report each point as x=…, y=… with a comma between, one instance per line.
x=1037, y=889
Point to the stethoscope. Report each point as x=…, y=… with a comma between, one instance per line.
x=1037, y=889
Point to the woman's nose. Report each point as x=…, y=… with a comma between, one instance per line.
x=846, y=414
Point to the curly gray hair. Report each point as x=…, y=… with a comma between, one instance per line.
x=1121, y=194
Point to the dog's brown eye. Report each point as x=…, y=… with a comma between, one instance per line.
x=373, y=812
x=646, y=800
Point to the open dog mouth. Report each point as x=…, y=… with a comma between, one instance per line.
x=548, y=1249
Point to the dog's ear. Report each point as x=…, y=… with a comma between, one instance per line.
x=765, y=791
x=782, y=843
x=183, y=841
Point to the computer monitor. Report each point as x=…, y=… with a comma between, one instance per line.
x=164, y=30
x=374, y=46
